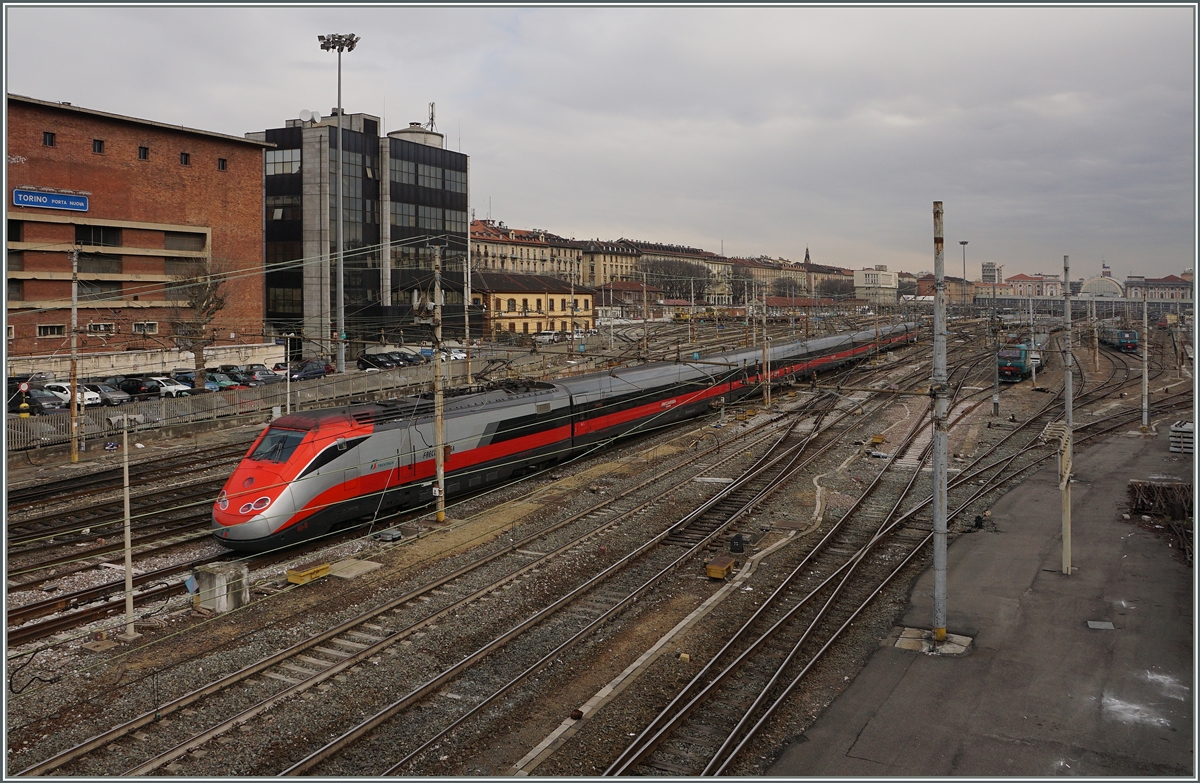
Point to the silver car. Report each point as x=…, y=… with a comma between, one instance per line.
x=109, y=395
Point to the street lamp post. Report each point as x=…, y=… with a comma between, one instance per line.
x=340, y=43
x=963, y=242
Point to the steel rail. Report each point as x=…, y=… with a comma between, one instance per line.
x=109, y=736
x=773, y=483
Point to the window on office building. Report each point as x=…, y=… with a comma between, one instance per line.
x=403, y=171
x=98, y=146
x=456, y=181
x=281, y=162
x=16, y=290
x=429, y=176
x=404, y=215
x=51, y=330
x=283, y=207
x=185, y=159
x=289, y=301
x=143, y=153
x=98, y=236
x=429, y=217
x=145, y=327
x=48, y=139
x=456, y=221
x=222, y=164
x=183, y=240
x=99, y=290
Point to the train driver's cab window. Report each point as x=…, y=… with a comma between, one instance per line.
x=277, y=445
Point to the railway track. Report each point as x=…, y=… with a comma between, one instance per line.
x=409, y=600
x=382, y=655
x=141, y=472
x=719, y=713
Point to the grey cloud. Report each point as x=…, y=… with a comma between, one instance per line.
x=1045, y=130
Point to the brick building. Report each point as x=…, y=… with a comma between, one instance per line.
x=149, y=206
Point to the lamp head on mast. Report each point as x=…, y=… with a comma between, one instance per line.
x=343, y=43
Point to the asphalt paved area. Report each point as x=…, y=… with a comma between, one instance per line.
x=1040, y=692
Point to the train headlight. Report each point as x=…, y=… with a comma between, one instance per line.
x=261, y=503
x=246, y=508
x=223, y=501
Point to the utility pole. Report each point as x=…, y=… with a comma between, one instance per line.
x=1065, y=462
x=963, y=242
x=467, y=306
x=439, y=422
x=692, y=320
x=75, y=353
x=130, y=633
x=940, y=429
x=1032, y=343
x=996, y=346
x=645, y=320
x=1095, y=338
x=1145, y=357
x=766, y=355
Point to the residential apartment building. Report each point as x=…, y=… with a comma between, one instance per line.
x=876, y=286
x=1035, y=285
x=1171, y=287
x=527, y=304
x=497, y=248
x=149, y=207
x=605, y=262
x=958, y=291
x=402, y=193
x=720, y=269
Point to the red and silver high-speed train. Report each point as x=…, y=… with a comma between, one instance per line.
x=309, y=472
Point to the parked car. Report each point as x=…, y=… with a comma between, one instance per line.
x=307, y=370
x=376, y=361
x=39, y=400
x=188, y=379
x=62, y=391
x=404, y=359
x=253, y=368
x=109, y=395
x=281, y=366
x=152, y=387
x=265, y=376
x=222, y=380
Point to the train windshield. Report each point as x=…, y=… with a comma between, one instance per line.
x=277, y=445
x=1127, y=335
x=1010, y=353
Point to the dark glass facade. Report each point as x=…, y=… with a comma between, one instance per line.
x=427, y=201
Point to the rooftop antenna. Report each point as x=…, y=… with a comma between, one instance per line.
x=432, y=126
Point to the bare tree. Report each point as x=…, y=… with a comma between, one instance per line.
x=197, y=291
x=676, y=278
x=836, y=288
x=743, y=285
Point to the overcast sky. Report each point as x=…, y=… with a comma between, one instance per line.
x=1046, y=131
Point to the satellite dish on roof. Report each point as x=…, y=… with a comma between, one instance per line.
x=305, y=115
x=316, y=117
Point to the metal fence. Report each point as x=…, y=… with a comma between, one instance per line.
x=103, y=424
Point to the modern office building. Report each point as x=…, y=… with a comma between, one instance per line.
x=403, y=193
x=149, y=207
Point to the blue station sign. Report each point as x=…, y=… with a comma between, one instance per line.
x=37, y=198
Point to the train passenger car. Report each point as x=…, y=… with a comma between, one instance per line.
x=313, y=471
x=1124, y=340
x=1014, y=363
